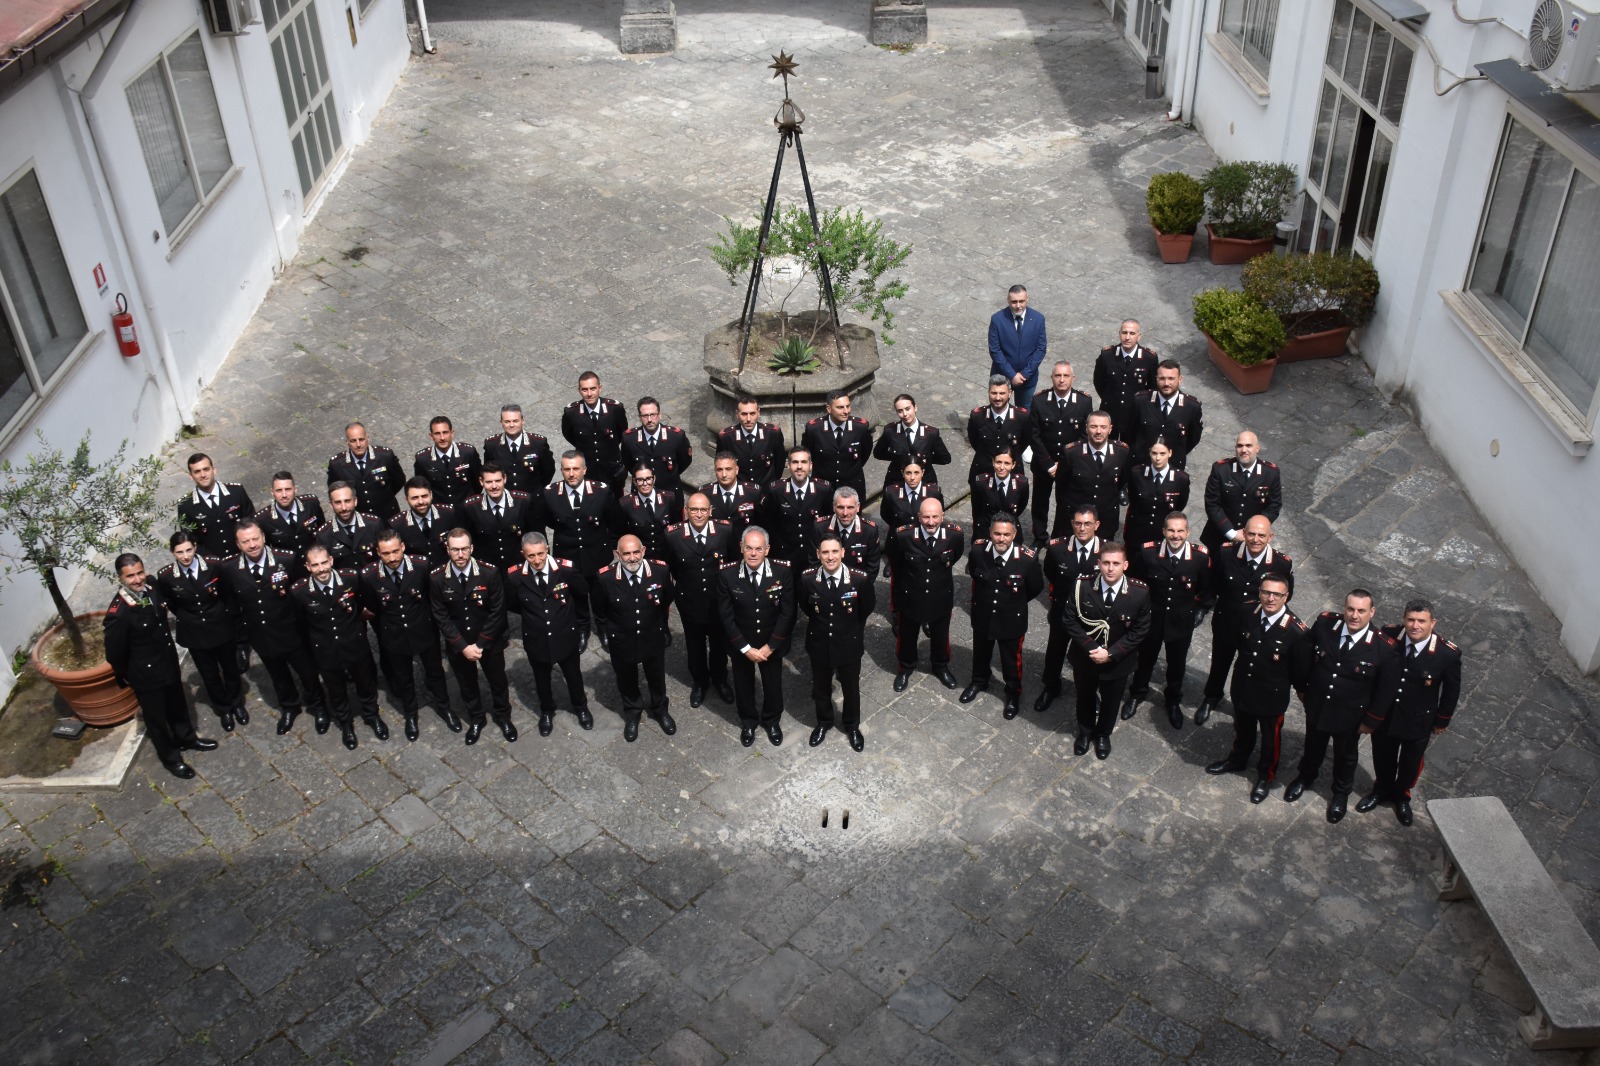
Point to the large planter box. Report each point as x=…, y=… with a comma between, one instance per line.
x=1231, y=251
x=1249, y=380
x=1174, y=247
x=92, y=694
x=1328, y=344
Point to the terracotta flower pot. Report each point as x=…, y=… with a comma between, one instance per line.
x=1174, y=247
x=93, y=694
x=1249, y=380
x=1328, y=344
x=1230, y=251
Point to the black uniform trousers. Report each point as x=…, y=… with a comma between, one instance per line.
x=1346, y=754
x=744, y=689
x=397, y=674
x=1224, y=648
x=1177, y=648
x=1397, y=765
x=1010, y=661
x=1245, y=728
x=1098, y=698
x=849, y=675
x=633, y=700
x=1055, y=656
x=1044, y=491
x=571, y=672
x=494, y=671
x=355, y=669
x=219, y=671
x=284, y=669
x=707, y=649
x=908, y=631
x=166, y=719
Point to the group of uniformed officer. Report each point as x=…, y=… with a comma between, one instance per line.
x=630, y=538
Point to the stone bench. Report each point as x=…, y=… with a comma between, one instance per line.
x=1486, y=857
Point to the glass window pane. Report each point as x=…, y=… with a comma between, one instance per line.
x=1521, y=222
x=1339, y=34
x=156, y=123
x=1377, y=179
x=202, y=120
x=15, y=388
x=1394, y=90
x=1325, y=231
x=1308, y=224
x=1377, y=59
x=280, y=59
x=1319, y=147
x=1354, y=60
x=36, y=277
x=1344, y=135
x=1565, y=336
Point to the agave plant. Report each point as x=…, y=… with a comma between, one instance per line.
x=794, y=356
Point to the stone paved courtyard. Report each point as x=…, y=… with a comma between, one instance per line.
x=533, y=203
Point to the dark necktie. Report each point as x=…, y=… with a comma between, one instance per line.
x=594, y=418
x=1166, y=408
x=833, y=582
x=394, y=577
x=361, y=466
x=255, y=569
x=1411, y=651
x=838, y=434
x=495, y=507
x=1083, y=554
x=633, y=581
x=462, y=579
x=540, y=580
x=1111, y=594
x=1100, y=459
x=1345, y=644
x=422, y=524
x=700, y=540
x=574, y=499
x=1019, y=323
x=1266, y=623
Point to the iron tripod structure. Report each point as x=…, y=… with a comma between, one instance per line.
x=789, y=119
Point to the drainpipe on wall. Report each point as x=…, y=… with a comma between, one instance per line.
x=1189, y=78
x=158, y=335
x=422, y=24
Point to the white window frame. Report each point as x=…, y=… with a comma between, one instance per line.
x=1259, y=19
x=1574, y=426
x=204, y=197
x=42, y=387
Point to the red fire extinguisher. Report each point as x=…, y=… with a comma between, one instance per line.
x=122, y=322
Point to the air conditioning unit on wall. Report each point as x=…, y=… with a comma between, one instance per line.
x=230, y=18
x=1564, y=44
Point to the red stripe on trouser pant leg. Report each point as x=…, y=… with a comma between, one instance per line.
x=1019, y=665
x=899, y=656
x=1277, y=748
x=1405, y=790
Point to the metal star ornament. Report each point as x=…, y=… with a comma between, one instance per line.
x=784, y=65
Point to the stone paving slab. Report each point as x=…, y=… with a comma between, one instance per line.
x=531, y=204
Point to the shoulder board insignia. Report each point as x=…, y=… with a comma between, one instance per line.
x=605, y=569
x=304, y=582
x=813, y=422
x=472, y=501
x=165, y=570
x=1269, y=466
x=1137, y=583
x=1223, y=462
x=1202, y=549
x=513, y=568
x=439, y=569
x=1450, y=645
x=423, y=451
x=336, y=457
x=808, y=573
x=979, y=409
x=1386, y=638
x=952, y=525
x=518, y=495
x=1283, y=555
x=116, y=605
x=1328, y=614
x=727, y=565
x=1025, y=552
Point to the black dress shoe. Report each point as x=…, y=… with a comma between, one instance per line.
x=241, y=715
x=1013, y=705
x=286, y=721
x=697, y=696
x=901, y=680
x=1259, y=792
x=857, y=741
x=630, y=731
x=605, y=642
x=1175, y=714
x=1081, y=745
x=180, y=769
x=1296, y=788
x=348, y=735
x=1130, y=707
x=508, y=731
x=946, y=678
x=474, y=731
x=747, y=735
x=971, y=692
x=585, y=719
x=225, y=720
x=775, y=735
x=664, y=720
x=1224, y=766
x=583, y=643
x=818, y=734
x=1402, y=811
x=1102, y=747
x=1046, y=698
x=451, y=721
x=1202, y=712
x=412, y=731
x=201, y=744
x=321, y=722
x=725, y=691
x=547, y=725
x=380, y=728
x=1336, y=809
x=1369, y=801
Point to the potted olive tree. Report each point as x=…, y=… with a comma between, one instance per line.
x=1319, y=298
x=1244, y=204
x=59, y=511
x=1242, y=337
x=1176, y=203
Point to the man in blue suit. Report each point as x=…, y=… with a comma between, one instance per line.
x=1017, y=345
